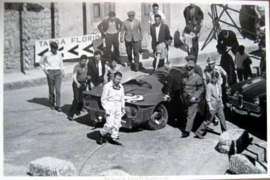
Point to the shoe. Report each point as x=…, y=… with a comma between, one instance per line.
x=199, y=136
x=52, y=108
x=101, y=140
x=58, y=109
x=70, y=118
x=114, y=141
x=185, y=134
x=78, y=113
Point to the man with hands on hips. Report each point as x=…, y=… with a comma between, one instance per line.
x=113, y=102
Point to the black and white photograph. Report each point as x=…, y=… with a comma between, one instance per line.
x=134, y=89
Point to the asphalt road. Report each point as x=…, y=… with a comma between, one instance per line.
x=32, y=130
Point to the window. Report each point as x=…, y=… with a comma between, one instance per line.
x=101, y=10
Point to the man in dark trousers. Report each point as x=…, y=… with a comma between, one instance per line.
x=78, y=85
x=228, y=38
x=159, y=32
x=172, y=89
x=132, y=29
x=109, y=29
x=96, y=70
x=52, y=65
x=192, y=89
x=193, y=11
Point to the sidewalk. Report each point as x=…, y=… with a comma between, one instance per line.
x=177, y=57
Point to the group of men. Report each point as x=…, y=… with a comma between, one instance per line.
x=189, y=90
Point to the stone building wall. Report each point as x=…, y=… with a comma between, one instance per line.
x=39, y=27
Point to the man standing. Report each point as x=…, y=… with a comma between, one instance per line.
x=172, y=89
x=192, y=89
x=113, y=102
x=78, y=85
x=215, y=105
x=52, y=64
x=156, y=11
x=242, y=62
x=133, y=35
x=159, y=32
x=197, y=68
x=226, y=62
x=193, y=11
x=109, y=29
x=228, y=38
x=96, y=70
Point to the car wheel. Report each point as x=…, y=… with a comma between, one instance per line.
x=159, y=118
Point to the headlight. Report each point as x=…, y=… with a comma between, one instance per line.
x=236, y=94
x=257, y=100
x=131, y=111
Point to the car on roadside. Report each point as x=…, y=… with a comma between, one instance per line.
x=249, y=97
x=144, y=101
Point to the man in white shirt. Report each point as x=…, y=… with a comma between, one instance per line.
x=113, y=102
x=52, y=64
x=240, y=57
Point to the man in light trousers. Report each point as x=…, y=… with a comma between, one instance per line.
x=113, y=102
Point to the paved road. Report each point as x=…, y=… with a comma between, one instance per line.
x=32, y=130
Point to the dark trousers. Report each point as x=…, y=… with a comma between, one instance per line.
x=112, y=40
x=54, y=82
x=160, y=63
x=77, y=103
x=195, y=48
x=242, y=73
x=135, y=47
x=218, y=111
x=191, y=114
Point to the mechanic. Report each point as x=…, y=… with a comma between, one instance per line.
x=215, y=105
x=113, y=102
x=96, y=70
x=228, y=38
x=79, y=85
x=52, y=65
x=192, y=89
x=110, y=29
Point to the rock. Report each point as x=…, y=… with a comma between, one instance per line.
x=233, y=141
x=256, y=151
x=240, y=164
x=51, y=166
x=114, y=172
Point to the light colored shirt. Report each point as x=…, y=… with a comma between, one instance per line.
x=50, y=61
x=112, y=28
x=239, y=60
x=162, y=50
x=111, y=94
x=81, y=72
x=157, y=31
x=131, y=24
x=152, y=17
x=213, y=92
x=218, y=69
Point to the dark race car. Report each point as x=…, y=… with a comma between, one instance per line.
x=144, y=101
x=249, y=97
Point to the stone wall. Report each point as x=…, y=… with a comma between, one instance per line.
x=39, y=27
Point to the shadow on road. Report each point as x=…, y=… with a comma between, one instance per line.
x=93, y=135
x=66, y=108
x=42, y=101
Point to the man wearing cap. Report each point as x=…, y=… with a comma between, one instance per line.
x=197, y=68
x=52, y=64
x=131, y=32
x=192, y=89
x=109, y=29
x=159, y=32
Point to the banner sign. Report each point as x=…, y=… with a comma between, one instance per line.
x=70, y=47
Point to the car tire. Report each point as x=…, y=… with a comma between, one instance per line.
x=159, y=118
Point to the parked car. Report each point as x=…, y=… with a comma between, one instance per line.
x=249, y=97
x=144, y=101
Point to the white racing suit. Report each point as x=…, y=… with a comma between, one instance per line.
x=112, y=101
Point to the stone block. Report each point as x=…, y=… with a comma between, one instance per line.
x=256, y=152
x=233, y=141
x=51, y=166
x=240, y=164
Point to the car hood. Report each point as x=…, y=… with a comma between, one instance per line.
x=148, y=86
x=251, y=88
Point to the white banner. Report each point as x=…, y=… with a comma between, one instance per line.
x=70, y=47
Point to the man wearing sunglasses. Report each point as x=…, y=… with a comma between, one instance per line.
x=192, y=89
